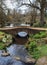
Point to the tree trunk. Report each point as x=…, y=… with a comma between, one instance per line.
x=42, y=20
x=33, y=15
x=42, y=13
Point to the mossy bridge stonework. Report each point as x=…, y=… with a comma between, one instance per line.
x=27, y=29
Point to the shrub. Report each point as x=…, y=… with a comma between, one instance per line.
x=38, y=35
x=33, y=50
x=43, y=34
x=4, y=39
x=37, y=47
x=32, y=46
x=7, y=38
x=2, y=46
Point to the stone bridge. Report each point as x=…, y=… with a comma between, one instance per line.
x=28, y=29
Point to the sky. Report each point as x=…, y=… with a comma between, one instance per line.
x=13, y=6
x=9, y=5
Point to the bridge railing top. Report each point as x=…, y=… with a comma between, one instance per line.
x=28, y=27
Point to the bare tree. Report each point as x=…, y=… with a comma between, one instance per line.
x=3, y=16
x=40, y=7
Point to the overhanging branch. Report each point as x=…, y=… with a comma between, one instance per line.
x=31, y=5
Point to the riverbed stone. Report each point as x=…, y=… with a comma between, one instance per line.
x=5, y=54
x=42, y=61
x=17, y=58
x=30, y=60
x=25, y=60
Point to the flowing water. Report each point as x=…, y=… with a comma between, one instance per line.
x=14, y=50
x=17, y=50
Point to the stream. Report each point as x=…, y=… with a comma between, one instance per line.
x=15, y=50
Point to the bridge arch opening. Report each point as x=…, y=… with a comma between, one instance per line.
x=21, y=37
x=22, y=34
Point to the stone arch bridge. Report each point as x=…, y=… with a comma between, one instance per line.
x=28, y=29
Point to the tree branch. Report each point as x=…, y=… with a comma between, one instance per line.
x=30, y=2
x=31, y=5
